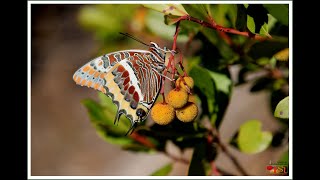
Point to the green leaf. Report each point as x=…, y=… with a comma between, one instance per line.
x=199, y=11
x=224, y=88
x=257, y=19
x=251, y=139
x=103, y=119
x=199, y=166
x=168, y=9
x=205, y=85
x=224, y=14
x=282, y=109
x=279, y=11
x=163, y=171
x=107, y=134
x=223, y=82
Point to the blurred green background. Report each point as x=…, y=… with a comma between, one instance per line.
x=64, y=142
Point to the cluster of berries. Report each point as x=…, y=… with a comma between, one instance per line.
x=179, y=103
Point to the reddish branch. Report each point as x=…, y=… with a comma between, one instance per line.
x=170, y=62
x=216, y=134
x=143, y=140
x=217, y=27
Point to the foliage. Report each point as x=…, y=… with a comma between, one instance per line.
x=212, y=38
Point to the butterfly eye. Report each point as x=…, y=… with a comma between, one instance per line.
x=141, y=113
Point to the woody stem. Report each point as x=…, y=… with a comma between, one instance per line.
x=217, y=27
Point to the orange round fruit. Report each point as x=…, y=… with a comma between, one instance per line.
x=162, y=113
x=177, y=98
x=187, y=113
x=186, y=83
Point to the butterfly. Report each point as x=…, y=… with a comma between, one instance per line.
x=131, y=78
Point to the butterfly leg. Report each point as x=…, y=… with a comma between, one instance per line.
x=133, y=126
x=117, y=118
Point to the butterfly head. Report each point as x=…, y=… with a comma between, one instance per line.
x=140, y=116
x=154, y=47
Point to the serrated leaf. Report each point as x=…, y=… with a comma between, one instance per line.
x=163, y=171
x=251, y=139
x=168, y=9
x=282, y=109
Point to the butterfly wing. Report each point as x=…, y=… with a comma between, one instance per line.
x=135, y=85
x=148, y=77
x=114, y=75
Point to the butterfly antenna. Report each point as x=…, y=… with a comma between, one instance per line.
x=134, y=38
x=133, y=126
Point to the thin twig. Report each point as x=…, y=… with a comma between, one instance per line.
x=227, y=152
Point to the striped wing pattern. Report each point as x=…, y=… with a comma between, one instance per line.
x=130, y=78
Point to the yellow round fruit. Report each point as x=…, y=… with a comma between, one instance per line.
x=177, y=98
x=162, y=113
x=192, y=98
x=186, y=83
x=187, y=113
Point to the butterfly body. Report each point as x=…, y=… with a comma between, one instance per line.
x=132, y=78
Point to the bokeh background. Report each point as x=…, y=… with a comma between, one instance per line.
x=64, y=142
